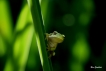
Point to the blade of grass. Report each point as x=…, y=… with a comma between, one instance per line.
x=6, y=30
x=39, y=30
x=23, y=37
x=21, y=42
x=46, y=8
x=5, y=20
x=5, y=27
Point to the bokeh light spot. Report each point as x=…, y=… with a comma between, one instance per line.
x=81, y=49
x=68, y=19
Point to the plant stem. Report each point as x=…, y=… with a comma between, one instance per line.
x=39, y=30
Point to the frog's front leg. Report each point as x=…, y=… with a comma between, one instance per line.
x=51, y=53
x=47, y=35
x=48, y=48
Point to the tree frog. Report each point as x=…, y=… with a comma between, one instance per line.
x=52, y=40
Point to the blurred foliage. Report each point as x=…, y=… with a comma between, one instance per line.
x=5, y=23
x=73, y=18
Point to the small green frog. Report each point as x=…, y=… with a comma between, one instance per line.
x=52, y=40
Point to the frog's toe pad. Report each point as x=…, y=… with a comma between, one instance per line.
x=54, y=53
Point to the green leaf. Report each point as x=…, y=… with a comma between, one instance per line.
x=39, y=31
x=24, y=33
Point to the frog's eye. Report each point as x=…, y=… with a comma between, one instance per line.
x=55, y=32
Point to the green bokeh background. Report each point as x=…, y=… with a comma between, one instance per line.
x=81, y=21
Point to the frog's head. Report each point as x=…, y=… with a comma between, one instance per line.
x=57, y=37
